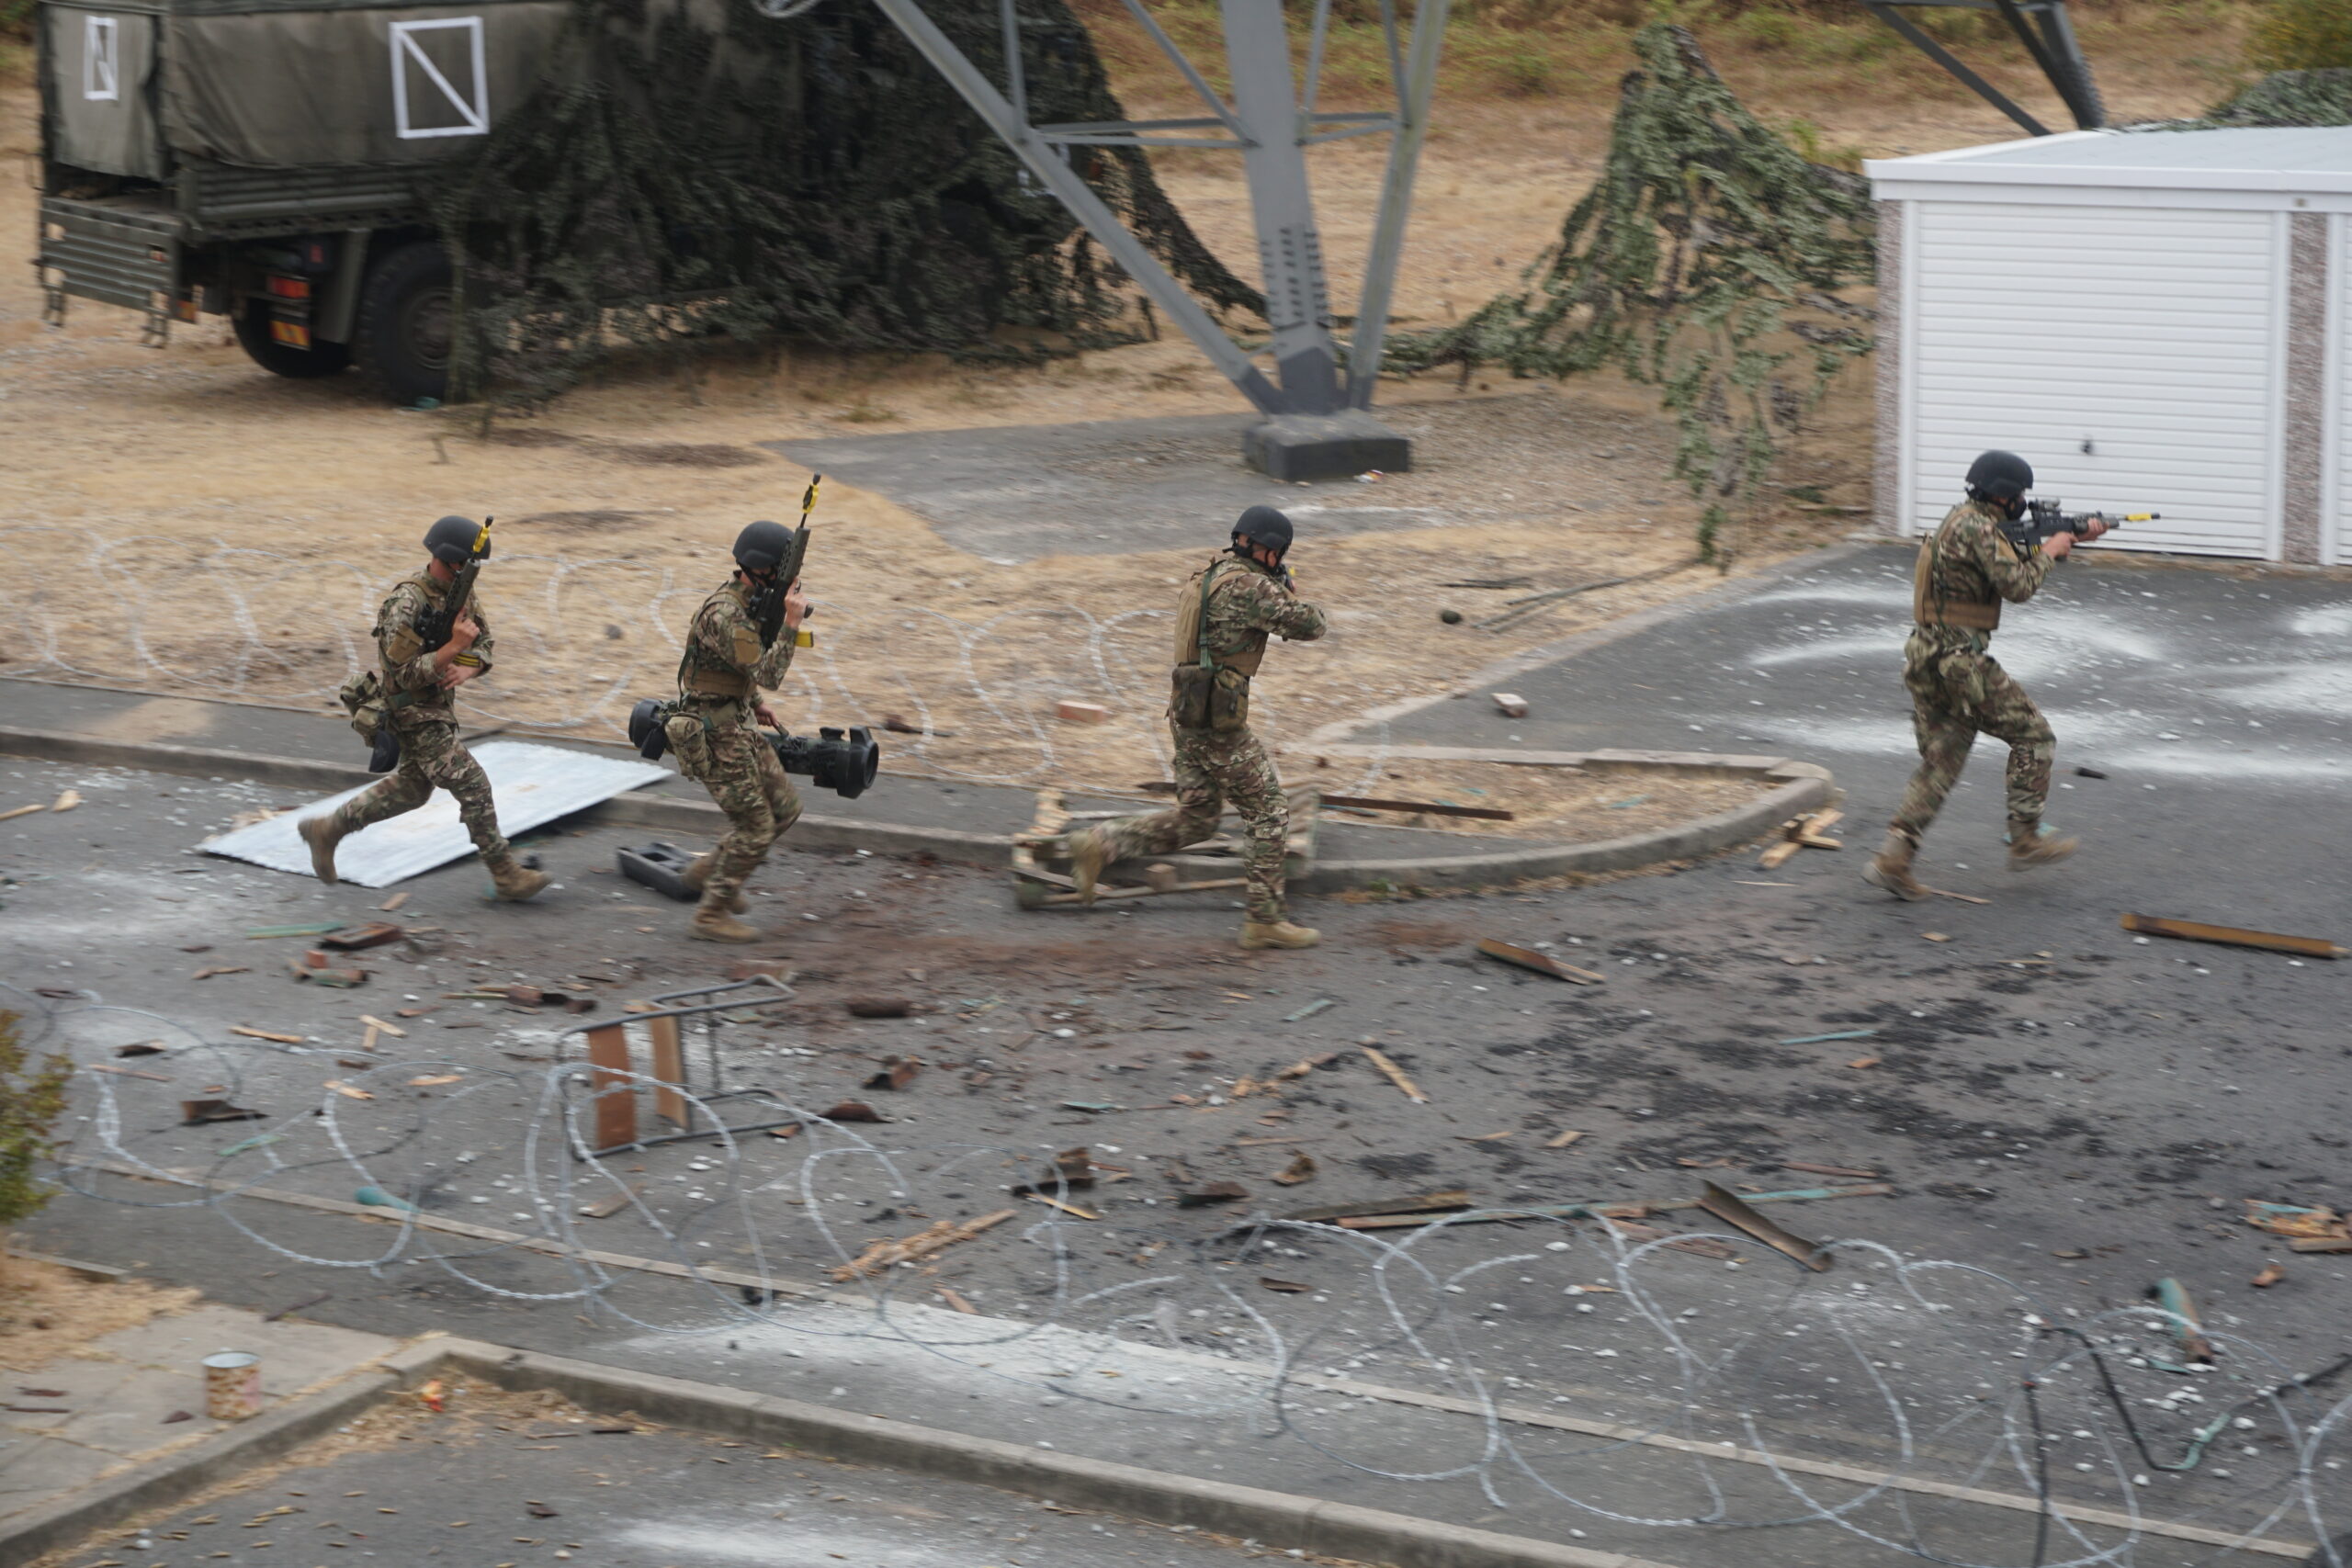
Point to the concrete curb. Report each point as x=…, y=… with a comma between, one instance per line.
x=1275, y=1518
x=159, y=1483
x=1803, y=787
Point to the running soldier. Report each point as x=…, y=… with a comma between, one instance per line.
x=736, y=646
x=1958, y=690
x=418, y=688
x=1223, y=618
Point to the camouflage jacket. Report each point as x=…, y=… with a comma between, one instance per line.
x=412, y=678
x=1246, y=603
x=724, y=667
x=1966, y=567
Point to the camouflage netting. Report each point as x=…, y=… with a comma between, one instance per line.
x=1704, y=261
x=695, y=169
x=2281, y=98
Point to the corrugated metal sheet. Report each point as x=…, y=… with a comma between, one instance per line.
x=2149, y=334
x=533, y=784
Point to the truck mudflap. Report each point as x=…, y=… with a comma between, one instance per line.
x=115, y=253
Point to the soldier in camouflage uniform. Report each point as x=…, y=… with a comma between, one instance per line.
x=418, y=687
x=1223, y=618
x=1958, y=690
x=729, y=659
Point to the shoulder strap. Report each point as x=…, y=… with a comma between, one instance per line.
x=1191, y=648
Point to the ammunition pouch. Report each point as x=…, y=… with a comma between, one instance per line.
x=1208, y=696
x=363, y=697
x=1930, y=608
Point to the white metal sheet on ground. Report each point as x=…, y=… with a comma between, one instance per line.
x=532, y=784
x=2130, y=354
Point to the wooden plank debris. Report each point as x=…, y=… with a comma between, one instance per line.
x=1562, y=1140
x=1300, y=1169
x=1732, y=1211
x=1396, y=1074
x=887, y=1252
x=266, y=1034
x=1071, y=1209
x=1541, y=962
x=2231, y=936
x=1427, y=1202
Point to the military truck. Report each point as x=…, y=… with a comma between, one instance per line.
x=270, y=161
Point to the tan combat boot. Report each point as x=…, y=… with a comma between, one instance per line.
x=1277, y=933
x=697, y=873
x=2040, y=845
x=1891, y=868
x=1086, y=850
x=513, y=881
x=320, y=833
x=712, y=922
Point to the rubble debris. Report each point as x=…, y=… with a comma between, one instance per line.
x=394, y=902
x=1070, y=1209
x=1699, y=1246
x=198, y=1112
x=605, y=1207
x=314, y=928
x=2231, y=936
x=1830, y=1170
x=1541, y=962
x=1318, y=1005
x=68, y=801
x=1082, y=712
x=435, y=1080
x=1287, y=1287
x=338, y=979
x=1214, y=1193
x=2297, y=1223
x=879, y=1007
x=1963, y=898
x=1394, y=1075
x=852, y=1111
x=376, y=1198
x=789, y=1130
x=2271, y=1274
x=1426, y=1204
x=1562, y=1140
x=884, y=1252
x=2173, y=1297
x=1825, y=1038
x=956, y=1301
x=2088, y=773
x=1510, y=705
x=1073, y=1171
x=1489, y=1137
x=1732, y=1211
x=111, y=1069
x=346, y=1090
x=541, y=1511
x=214, y=971
x=1421, y=808
x=376, y=933
x=897, y=1073
x=141, y=1048
x=1301, y=1068
x=1801, y=833
x=434, y=1396
x=1300, y=1169
x=21, y=811
x=1859, y=1062
x=1935, y=936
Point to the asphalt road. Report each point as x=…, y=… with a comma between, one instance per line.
x=2081, y=1125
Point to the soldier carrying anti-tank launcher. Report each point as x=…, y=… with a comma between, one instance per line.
x=431, y=638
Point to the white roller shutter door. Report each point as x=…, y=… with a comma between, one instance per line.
x=2336, y=527
x=2149, y=335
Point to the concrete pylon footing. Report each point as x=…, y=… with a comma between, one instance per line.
x=1298, y=446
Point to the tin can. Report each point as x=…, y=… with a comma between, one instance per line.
x=232, y=1385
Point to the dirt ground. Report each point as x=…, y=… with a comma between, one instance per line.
x=47, y=1312
x=180, y=521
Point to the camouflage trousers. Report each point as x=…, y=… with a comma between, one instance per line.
x=1957, y=694
x=743, y=776
x=1213, y=768
x=430, y=757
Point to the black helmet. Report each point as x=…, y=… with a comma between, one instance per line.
x=761, y=546
x=1999, y=475
x=451, y=541
x=1264, y=526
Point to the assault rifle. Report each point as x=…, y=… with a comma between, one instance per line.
x=2045, y=518
x=767, y=604
x=435, y=627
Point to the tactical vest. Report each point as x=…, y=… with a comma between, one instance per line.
x=1192, y=613
x=1951, y=593
x=700, y=676
x=406, y=644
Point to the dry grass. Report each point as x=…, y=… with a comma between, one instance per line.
x=1552, y=805
x=47, y=1312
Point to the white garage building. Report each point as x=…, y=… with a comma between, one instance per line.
x=2158, y=320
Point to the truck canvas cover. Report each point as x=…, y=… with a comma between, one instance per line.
x=253, y=84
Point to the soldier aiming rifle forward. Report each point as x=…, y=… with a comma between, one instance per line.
x=1223, y=618
x=1976, y=557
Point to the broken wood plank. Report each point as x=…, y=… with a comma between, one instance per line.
x=1778, y=856
x=1732, y=1211
x=956, y=1301
x=1541, y=962
x=1427, y=1202
x=394, y=1030
x=1300, y=1069
x=2231, y=936
x=1562, y=1141
x=605, y=1207
x=1829, y=1171
x=1071, y=1209
x=886, y=1252
x=1396, y=1074
x=266, y=1034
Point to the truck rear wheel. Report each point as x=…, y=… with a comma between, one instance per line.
x=407, y=323
x=252, y=323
